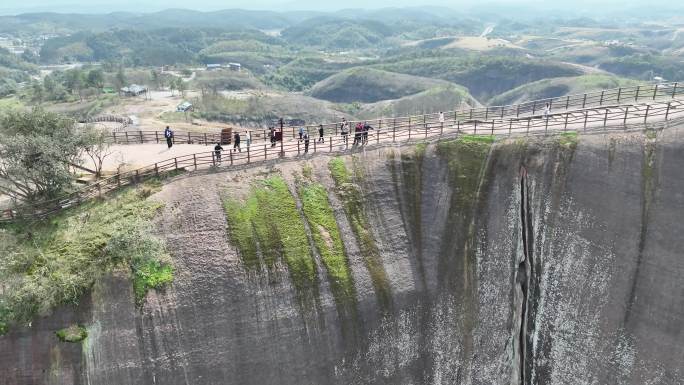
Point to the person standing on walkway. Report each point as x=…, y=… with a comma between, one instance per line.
x=366, y=127
x=273, y=136
x=217, y=152
x=345, y=130
x=249, y=138
x=306, y=143
x=168, y=134
x=301, y=132
x=236, y=140
x=320, y=134
x=547, y=111
x=441, y=119
x=358, y=133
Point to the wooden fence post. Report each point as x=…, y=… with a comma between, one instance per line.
x=624, y=121
x=510, y=127
x=605, y=119
x=636, y=96
x=265, y=152
x=567, y=102
x=194, y=161
x=141, y=137
x=529, y=120
x=231, y=158
x=126, y=133
x=156, y=169
x=315, y=146
x=601, y=101
x=667, y=112
x=175, y=163
x=475, y=132
x=546, y=125
x=517, y=114
x=394, y=130
x=213, y=158
x=586, y=117
x=584, y=101
x=674, y=90
x=619, y=93
x=205, y=139
x=534, y=107
x=298, y=151
x=648, y=107
x=492, y=128
x=114, y=135
x=486, y=113
x=655, y=91
x=248, y=156
x=565, y=127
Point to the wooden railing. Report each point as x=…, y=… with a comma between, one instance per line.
x=611, y=97
x=591, y=119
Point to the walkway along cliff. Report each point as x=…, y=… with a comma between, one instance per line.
x=462, y=260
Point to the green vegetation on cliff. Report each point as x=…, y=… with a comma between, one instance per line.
x=73, y=333
x=352, y=200
x=267, y=225
x=52, y=263
x=328, y=241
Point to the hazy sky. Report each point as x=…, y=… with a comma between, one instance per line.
x=102, y=6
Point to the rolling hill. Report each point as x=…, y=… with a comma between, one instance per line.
x=368, y=85
x=440, y=98
x=551, y=88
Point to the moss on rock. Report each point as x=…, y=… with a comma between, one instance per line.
x=328, y=241
x=267, y=227
x=73, y=333
x=352, y=200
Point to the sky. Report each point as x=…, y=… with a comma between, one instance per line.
x=8, y=7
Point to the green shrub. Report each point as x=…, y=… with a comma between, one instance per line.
x=51, y=263
x=73, y=333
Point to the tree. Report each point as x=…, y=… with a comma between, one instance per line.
x=37, y=92
x=120, y=79
x=181, y=86
x=36, y=151
x=98, y=149
x=75, y=81
x=155, y=78
x=96, y=78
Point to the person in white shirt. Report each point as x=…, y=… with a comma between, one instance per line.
x=547, y=111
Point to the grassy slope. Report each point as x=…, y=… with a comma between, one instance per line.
x=484, y=76
x=51, y=263
x=370, y=85
x=549, y=88
x=442, y=98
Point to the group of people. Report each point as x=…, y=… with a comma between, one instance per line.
x=360, y=132
x=360, y=137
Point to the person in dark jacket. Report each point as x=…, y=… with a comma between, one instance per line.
x=320, y=134
x=217, y=151
x=366, y=128
x=168, y=134
x=236, y=140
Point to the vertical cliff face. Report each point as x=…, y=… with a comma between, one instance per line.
x=523, y=261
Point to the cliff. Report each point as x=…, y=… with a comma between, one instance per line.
x=545, y=261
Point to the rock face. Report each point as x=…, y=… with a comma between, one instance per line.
x=523, y=262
